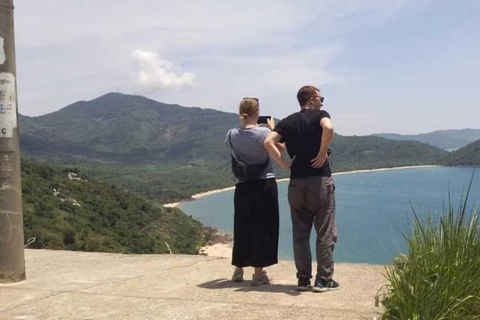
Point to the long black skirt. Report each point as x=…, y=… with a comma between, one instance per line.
x=255, y=234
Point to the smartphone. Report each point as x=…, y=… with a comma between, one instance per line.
x=263, y=119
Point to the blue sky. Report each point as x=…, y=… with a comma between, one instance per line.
x=383, y=66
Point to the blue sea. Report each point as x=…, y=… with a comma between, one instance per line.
x=374, y=209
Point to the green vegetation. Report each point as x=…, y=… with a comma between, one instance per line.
x=440, y=279
x=64, y=209
x=466, y=156
x=159, y=183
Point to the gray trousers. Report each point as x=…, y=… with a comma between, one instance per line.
x=312, y=202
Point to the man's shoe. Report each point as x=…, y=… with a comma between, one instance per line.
x=261, y=280
x=237, y=275
x=325, y=285
x=303, y=284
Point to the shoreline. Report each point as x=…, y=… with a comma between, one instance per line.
x=212, y=192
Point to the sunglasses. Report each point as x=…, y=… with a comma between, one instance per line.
x=248, y=98
x=321, y=98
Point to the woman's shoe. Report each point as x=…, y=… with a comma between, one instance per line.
x=260, y=280
x=237, y=275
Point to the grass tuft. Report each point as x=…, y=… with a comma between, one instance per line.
x=440, y=278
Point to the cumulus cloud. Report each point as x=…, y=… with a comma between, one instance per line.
x=154, y=73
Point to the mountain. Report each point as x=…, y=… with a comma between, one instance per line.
x=64, y=209
x=128, y=129
x=169, y=152
x=444, y=139
x=466, y=156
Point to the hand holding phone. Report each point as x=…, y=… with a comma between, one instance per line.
x=266, y=120
x=263, y=119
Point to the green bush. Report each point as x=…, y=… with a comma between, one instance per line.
x=440, y=279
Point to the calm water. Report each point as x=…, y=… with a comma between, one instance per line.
x=372, y=209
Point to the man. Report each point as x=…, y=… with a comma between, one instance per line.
x=308, y=135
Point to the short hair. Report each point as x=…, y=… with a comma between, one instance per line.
x=305, y=93
x=248, y=107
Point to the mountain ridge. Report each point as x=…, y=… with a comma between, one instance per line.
x=450, y=139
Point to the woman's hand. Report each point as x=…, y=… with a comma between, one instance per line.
x=287, y=164
x=271, y=123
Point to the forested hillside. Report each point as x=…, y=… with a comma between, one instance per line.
x=467, y=156
x=353, y=153
x=64, y=209
x=127, y=129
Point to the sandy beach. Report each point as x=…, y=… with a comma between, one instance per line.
x=171, y=205
x=386, y=169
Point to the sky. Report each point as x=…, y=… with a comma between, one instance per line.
x=402, y=66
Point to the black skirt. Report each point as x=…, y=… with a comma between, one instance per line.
x=256, y=222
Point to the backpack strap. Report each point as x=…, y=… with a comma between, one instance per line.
x=231, y=146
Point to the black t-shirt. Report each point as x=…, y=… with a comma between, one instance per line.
x=302, y=134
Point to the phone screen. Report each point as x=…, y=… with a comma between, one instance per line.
x=263, y=119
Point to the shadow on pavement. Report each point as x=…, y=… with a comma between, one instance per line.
x=246, y=286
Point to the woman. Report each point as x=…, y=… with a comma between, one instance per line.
x=255, y=239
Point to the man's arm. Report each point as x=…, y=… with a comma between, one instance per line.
x=271, y=145
x=327, y=137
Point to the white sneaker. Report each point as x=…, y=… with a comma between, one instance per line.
x=261, y=280
x=237, y=275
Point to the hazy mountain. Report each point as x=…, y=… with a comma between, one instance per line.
x=466, y=156
x=167, y=152
x=444, y=139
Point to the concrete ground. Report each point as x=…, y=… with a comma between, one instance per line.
x=80, y=285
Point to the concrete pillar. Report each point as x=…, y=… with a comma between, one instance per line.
x=12, y=256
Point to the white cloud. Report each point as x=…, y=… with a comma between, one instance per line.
x=155, y=74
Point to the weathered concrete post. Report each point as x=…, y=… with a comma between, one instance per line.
x=12, y=256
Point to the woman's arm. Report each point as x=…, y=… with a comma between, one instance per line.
x=271, y=145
